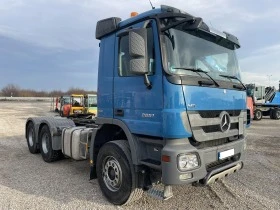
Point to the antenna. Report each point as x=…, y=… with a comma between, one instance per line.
x=151, y=4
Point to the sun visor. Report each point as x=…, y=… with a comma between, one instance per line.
x=233, y=39
x=106, y=26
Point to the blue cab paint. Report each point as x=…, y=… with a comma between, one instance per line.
x=105, y=77
x=206, y=98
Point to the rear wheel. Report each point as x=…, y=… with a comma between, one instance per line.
x=30, y=137
x=258, y=114
x=275, y=114
x=45, y=143
x=114, y=173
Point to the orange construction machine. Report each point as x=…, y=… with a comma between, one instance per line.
x=71, y=105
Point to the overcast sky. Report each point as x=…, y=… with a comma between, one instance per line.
x=50, y=44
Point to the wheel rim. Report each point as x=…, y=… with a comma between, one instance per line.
x=30, y=137
x=45, y=138
x=277, y=114
x=112, y=173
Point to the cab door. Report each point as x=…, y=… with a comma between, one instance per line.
x=134, y=104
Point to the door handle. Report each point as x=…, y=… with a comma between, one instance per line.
x=119, y=112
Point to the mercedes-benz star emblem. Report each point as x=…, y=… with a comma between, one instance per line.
x=225, y=121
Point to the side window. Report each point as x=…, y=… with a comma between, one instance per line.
x=124, y=58
x=151, y=50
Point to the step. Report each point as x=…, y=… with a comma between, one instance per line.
x=161, y=194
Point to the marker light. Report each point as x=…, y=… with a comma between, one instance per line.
x=165, y=158
x=133, y=14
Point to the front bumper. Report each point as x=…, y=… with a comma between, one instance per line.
x=211, y=168
x=222, y=172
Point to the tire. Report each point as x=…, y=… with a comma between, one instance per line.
x=258, y=114
x=275, y=114
x=45, y=144
x=114, y=173
x=31, y=141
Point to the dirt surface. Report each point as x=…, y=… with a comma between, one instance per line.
x=27, y=182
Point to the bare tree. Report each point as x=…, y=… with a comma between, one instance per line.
x=15, y=91
x=74, y=90
x=10, y=90
x=56, y=93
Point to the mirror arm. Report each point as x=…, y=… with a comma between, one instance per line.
x=147, y=82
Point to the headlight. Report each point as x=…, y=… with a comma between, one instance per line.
x=187, y=161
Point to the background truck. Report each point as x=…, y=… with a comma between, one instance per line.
x=266, y=101
x=90, y=103
x=171, y=108
x=63, y=100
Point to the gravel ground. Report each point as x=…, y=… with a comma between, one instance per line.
x=27, y=182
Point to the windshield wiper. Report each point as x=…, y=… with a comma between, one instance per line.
x=234, y=77
x=198, y=70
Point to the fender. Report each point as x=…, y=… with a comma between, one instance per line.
x=130, y=137
x=55, y=125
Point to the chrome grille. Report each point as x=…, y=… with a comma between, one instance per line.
x=206, y=125
x=216, y=128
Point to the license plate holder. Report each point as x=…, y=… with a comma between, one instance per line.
x=225, y=154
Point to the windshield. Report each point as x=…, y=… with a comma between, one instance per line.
x=91, y=101
x=199, y=50
x=77, y=101
x=66, y=100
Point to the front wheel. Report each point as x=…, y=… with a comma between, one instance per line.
x=114, y=173
x=258, y=114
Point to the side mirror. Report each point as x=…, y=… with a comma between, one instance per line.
x=138, y=51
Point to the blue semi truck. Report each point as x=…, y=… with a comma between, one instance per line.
x=171, y=108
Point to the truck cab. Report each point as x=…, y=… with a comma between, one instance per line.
x=174, y=84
